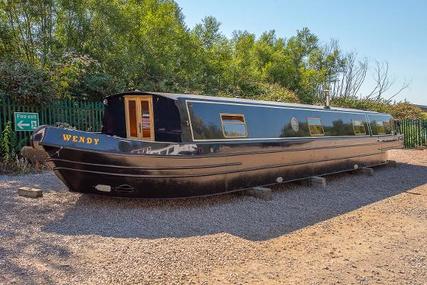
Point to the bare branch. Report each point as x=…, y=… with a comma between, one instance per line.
x=352, y=77
x=404, y=86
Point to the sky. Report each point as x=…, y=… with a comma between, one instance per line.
x=383, y=30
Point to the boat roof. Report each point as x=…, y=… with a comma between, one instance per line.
x=178, y=96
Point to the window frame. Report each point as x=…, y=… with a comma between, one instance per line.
x=241, y=123
x=354, y=130
x=321, y=126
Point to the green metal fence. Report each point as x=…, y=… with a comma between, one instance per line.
x=415, y=132
x=86, y=116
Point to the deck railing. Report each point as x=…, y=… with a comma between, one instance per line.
x=82, y=115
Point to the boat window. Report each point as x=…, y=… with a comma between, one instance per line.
x=133, y=130
x=315, y=127
x=234, y=126
x=359, y=128
x=378, y=127
x=145, y=119
x=381, y=124
x=388, y=127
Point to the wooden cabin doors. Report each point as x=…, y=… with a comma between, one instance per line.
x=139, y=117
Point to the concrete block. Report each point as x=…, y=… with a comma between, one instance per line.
x=30, y=192
x=260, y=193
x=318, y=181
x=367, y=170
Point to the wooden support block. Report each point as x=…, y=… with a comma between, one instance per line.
x=318, y=181
x=260, y=192
x=367, y=170
x=392, y=163
x=30, y=192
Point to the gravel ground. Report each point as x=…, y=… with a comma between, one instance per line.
x=359, y=230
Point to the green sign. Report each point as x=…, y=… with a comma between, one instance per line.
x=26, y=121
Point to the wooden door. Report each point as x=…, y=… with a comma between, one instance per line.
x=139, y=117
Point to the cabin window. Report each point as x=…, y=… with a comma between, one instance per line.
x=359, y=128
x=234, y=126
x=380, y=127
x=381, y=124
x=145, y=119
x=133, y=129
x=315, y=127
x=388, y=127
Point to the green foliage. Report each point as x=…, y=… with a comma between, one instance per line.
x=267, y=92
x=8, y=143
x=95, y=48
x=275, y=92
x=88, y=49
x=402, y=110
x=361, y=104
x=80, y=77
x=10, y=161
x=25, y=83
x=405, y=110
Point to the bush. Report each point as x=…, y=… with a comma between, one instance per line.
x=275, y=92
x=265, y=91
x=7, y=143
x=361, y=104
x=80, y=77
x=405, y=110
x=16, y=165
x=402, y=110
x=25, y=83
x=10, y=161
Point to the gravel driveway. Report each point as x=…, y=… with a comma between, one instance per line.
x=359, y=230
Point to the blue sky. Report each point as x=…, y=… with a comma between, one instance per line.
x=393, y=31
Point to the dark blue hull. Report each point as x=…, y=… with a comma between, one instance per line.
x=121, y=167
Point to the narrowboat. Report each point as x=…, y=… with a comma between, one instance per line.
x=162, y=145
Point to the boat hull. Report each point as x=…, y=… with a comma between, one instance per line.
x=116, y=166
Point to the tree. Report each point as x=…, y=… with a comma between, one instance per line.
x=350, y=79
x=88, y=49
x=25, y=83
x=214, y=56
x=29, y=26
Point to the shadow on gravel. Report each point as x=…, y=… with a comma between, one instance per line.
x=24, y=255
x=293, y=207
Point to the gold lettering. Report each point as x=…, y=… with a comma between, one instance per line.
x=66, y=137
x=96, y=141
x=89, y=140
x=75, y=138
x=82, y=139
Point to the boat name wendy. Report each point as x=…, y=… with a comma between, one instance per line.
x=160, y=145
x=79, y=139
